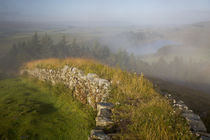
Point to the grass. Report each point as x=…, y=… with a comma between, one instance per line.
x=199, y=103
x=140, y=112
x=31, y=109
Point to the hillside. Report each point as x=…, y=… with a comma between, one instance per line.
x=33, y=110
x=139, y=112
x=196, y=100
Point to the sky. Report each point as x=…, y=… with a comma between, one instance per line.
x=125, y=12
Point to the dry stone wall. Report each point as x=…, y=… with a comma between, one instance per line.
x=88, y=89
x=92, y=90
x=196, y=124
x=103, y=122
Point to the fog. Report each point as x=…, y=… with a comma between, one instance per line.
x=177, y=53
x=171, y=38
x=106, y=13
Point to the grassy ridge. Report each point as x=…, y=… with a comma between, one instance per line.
x=34, y=110
x=140, y=112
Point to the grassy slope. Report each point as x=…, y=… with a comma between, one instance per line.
x=197, y=100
x=141, y=113
x=34, y=110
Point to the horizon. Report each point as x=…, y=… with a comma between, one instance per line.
x=106, y=13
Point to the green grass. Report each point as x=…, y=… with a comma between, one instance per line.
x=141, y=113
x=30, y=109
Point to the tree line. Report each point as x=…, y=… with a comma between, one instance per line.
x=40, y=47
x=44, y=47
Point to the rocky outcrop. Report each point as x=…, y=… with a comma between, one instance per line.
x=196, y=124
x=88, y=89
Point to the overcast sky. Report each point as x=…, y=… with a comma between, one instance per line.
x=106, y=11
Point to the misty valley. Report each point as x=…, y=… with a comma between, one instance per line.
x=108, y=70
x=135, y=50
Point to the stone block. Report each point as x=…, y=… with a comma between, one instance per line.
x=104, y=122
x=98, y=134
x=102, y=105
x=197, y=126
x=191, y=116
x=104, y=112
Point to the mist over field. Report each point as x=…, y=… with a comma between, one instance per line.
x=170, y=37
x=173, y=40
x=158, y=47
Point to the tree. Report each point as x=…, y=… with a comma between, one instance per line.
x=46, y=46
x=35, y=39
x=61, y=48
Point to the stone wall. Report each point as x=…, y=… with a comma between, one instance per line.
x=196, y=124
x=92, y=90
x=88, y=89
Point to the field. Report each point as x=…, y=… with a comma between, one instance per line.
x=34, y=110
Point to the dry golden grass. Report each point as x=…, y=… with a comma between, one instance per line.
x=57, y=63
x=140, y=112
